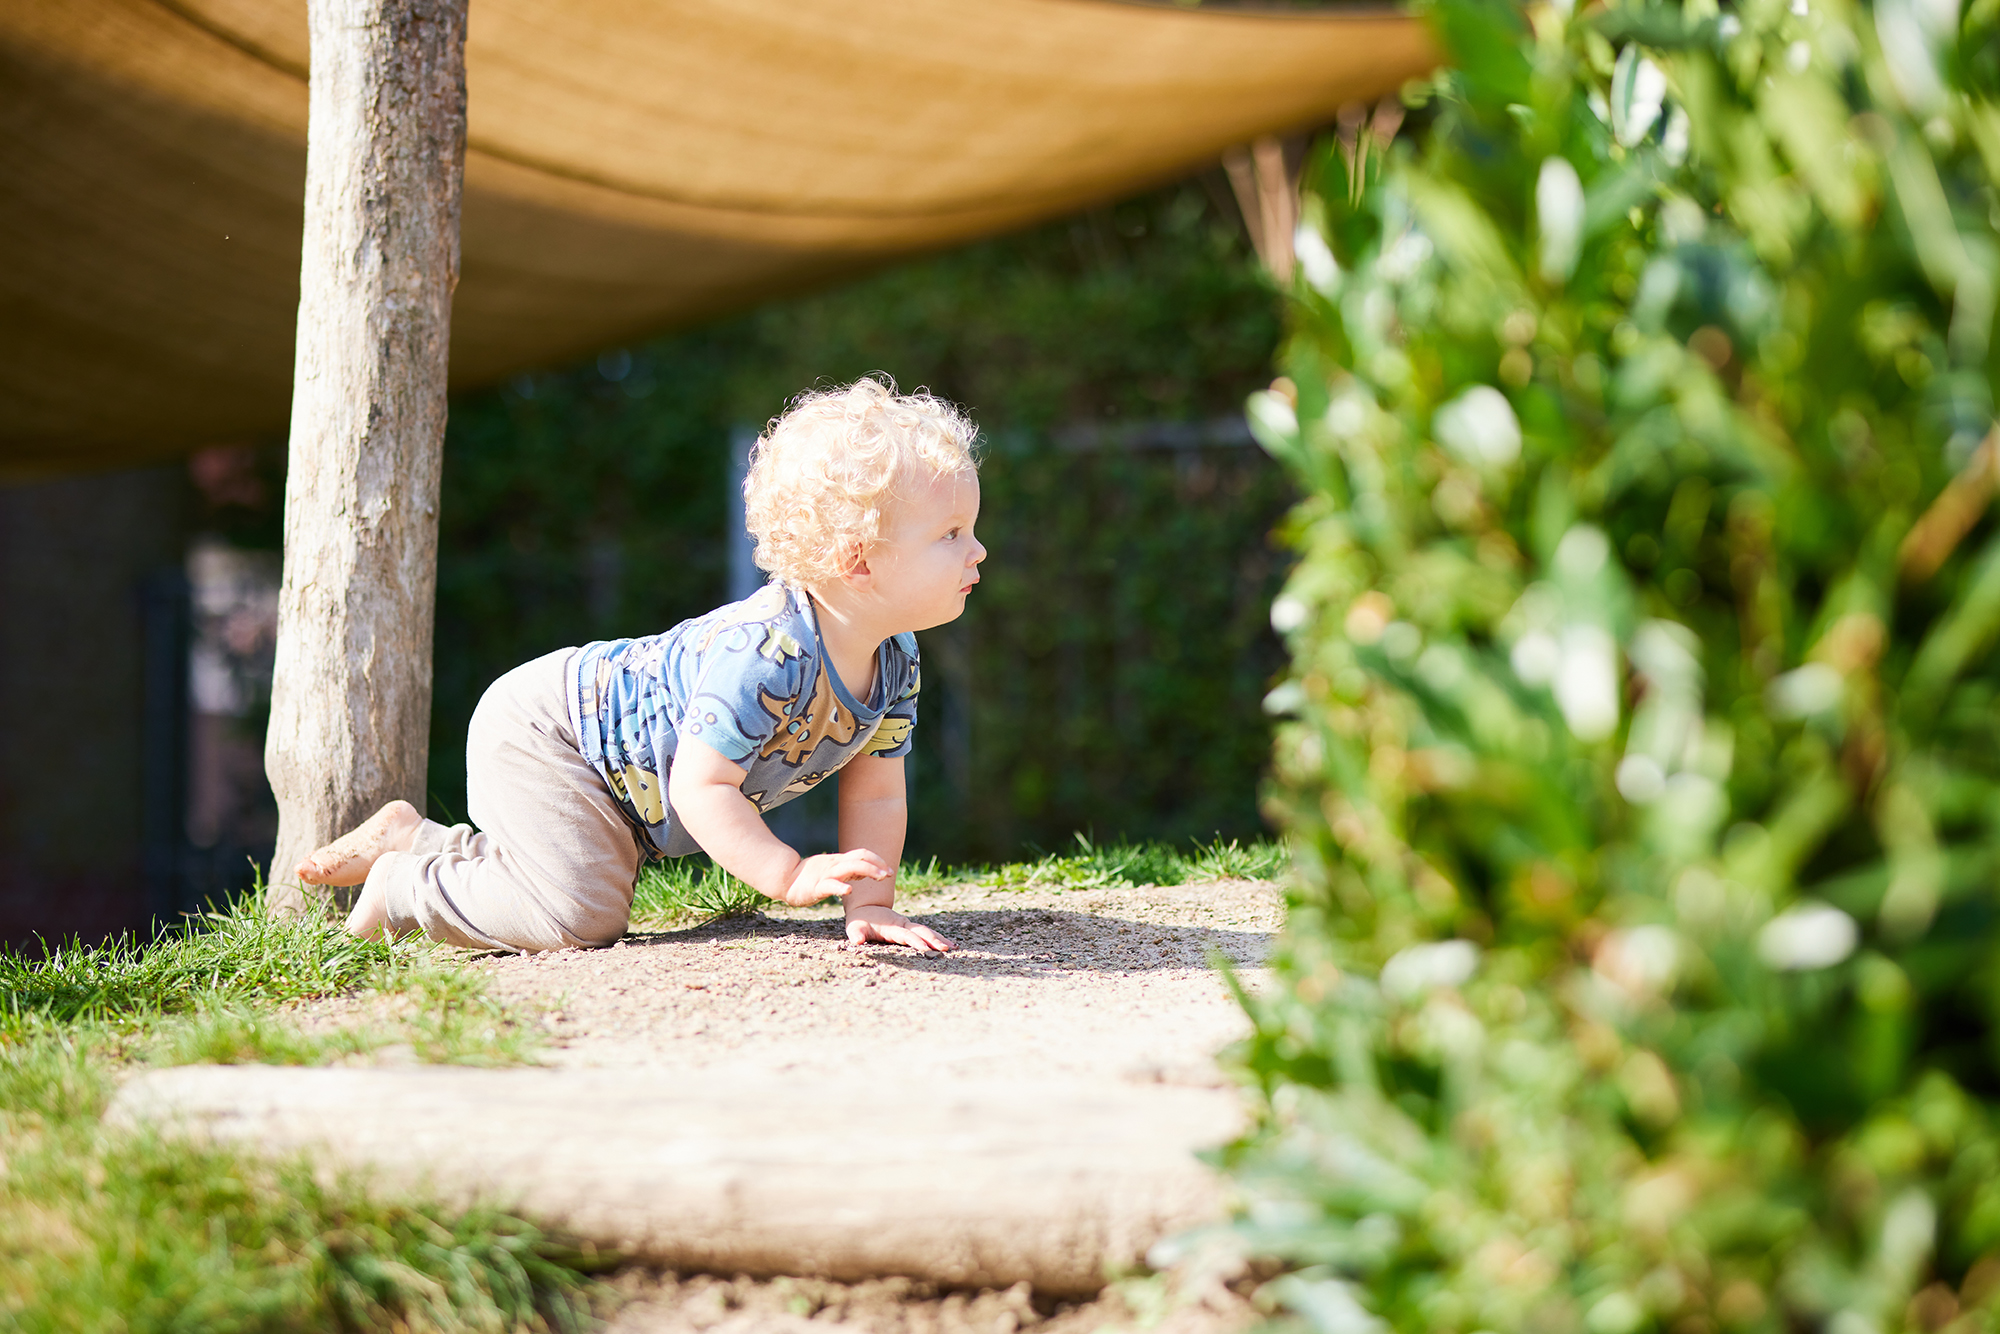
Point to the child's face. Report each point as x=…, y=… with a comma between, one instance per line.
x=927, y=559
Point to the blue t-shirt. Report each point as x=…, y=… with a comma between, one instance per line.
x=749, y=681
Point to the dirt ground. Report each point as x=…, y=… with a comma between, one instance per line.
x=1088, y=983
x=663, y=1304
x=1074, y=984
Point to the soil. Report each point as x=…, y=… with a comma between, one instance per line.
x=1056, y=983
x=1089, y=985
x=701, y=1304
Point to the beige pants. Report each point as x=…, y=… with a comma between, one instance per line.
x=554, y=862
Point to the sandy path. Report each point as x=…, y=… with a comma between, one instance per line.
x=1061, y=991
x=1084, y=984
x=1091, y=984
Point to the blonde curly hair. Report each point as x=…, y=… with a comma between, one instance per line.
x=823, y=474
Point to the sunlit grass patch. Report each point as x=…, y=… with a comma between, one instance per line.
x=447, y=1018
x=236, y=1033
x=102, y=1228
x=1124, y=865
x=930, y=876
x=109, y=1229
x=241, y=950
x=211, y=988
x=439, y=1016
x=1259, y=859
x=1093, y=866
x=684, y=891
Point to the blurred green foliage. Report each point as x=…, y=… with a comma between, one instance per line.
x=1109, y=672
x=1643, y=763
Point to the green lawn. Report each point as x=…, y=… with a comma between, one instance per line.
x=109, y=1230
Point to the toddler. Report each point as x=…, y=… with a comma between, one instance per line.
x=583, y=765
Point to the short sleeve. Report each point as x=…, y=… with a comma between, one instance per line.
x=897, y=731
x=741, y=691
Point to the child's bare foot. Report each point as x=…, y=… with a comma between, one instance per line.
x=347, y=859
x=370, y=915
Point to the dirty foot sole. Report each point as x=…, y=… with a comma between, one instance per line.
x=346, y=860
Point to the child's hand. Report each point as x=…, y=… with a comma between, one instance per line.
x=866, y=922
x=831, y=875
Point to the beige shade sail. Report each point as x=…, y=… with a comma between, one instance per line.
x=631, y=165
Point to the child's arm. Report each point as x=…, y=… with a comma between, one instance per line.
x=874, y=814
x=706, y=789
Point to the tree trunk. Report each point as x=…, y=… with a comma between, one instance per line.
x=350, y=704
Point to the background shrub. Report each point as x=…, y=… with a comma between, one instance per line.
x=1642, y=769
x=1109, y=671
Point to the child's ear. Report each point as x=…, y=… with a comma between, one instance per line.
x=857, y=568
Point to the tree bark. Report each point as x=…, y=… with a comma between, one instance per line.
x=385, y=154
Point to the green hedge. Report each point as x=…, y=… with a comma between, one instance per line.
x=1643, y=767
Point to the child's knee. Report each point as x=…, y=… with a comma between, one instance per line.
x=596, y=930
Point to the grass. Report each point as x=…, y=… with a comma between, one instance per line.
x=241, y=951
x=134, y=1232
x=126, y=1230
x=682, y=891
x=688, y=890
x=211, y=988
x=1126, y=865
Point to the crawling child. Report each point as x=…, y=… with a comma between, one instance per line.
x=583, y=765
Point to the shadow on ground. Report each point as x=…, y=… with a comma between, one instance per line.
x=1029, y=942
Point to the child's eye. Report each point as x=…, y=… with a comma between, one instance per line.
x=951, y=536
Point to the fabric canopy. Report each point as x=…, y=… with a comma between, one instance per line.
x=631, y=165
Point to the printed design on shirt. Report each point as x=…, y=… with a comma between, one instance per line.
x=744, y=620
x=757, y=691
x=742, y=637
x=819, y=719
x=889, y=734
x=779, y=646
x=641, y=790
x=805, y=783
x=606, y=676
x=705, y=711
